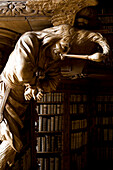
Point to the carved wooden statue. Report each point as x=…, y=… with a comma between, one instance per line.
x=34, y=67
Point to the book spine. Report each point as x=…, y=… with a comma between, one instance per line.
x=43, y=144
x=49, y=124
x=40, y=123
x=46, y=163
x=52, y=123
x=56, y=123
x=48, y=143
x=41, y=163
x=60, y=123
x=38, y=146
x=52, y=143
x=44, y=124
x=52, y=163
x=57, y=163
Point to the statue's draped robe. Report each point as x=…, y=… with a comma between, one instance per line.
x=21, y=71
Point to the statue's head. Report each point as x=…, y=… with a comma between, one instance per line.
x=57, y=40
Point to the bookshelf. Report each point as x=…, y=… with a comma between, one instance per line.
x=83, y=137
x=105, y=27
x=102, y=131
x=105, y=16
x=79, y=131
x=61, y=129
x=49, y=131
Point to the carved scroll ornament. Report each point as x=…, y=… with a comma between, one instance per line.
x=60, y=11
x=15, y=9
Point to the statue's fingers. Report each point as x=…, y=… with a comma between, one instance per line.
x=41, y=94
x=26, y=98
x=29, y=96
x=39, y=97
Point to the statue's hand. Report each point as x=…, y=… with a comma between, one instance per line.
x=30, y=93
x=98, y=57
x=39, y=96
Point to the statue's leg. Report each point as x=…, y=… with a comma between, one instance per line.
x=7, y=154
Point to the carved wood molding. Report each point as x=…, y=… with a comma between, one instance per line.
x=16, y=8
x=60, y=11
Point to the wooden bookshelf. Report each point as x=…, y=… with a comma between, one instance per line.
x=101, y=128
x=48, y=129
x=106, y=21
x=87, y=131
x=83, y=107
x=56, y=129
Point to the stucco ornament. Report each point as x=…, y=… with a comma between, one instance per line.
x=15, y=9
x=61, y=11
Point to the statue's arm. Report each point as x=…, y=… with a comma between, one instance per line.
x=27, y=49
x=47, y=84
x=51, y=80
x=86, y=37
x=98, y=57
x=102, y=42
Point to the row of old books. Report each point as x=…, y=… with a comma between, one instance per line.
x=53, y=123
x=104, y=107
x=102, y=120
x=52, y=97
x=49, y=126
x=106, y=19
x=49, y=109
x=104, y=134
x=104, y=153
x=24, y=162
x=78, y=98
x=105, y=98
x=79, y=124
x=105, y=10
x=78, y=108
x=78, y=139
x=102, y=131
x=49, y=143
x=108, y=134
x=49, y=163
x=79, y=160
x=109, y=28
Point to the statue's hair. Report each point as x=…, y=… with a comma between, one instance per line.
x=68, y=34
x=82, y=36
x=54, y=34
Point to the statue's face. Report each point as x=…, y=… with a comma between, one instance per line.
x=58, y=49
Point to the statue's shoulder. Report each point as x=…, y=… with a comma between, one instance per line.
x=29, y=34
x=29, y=38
